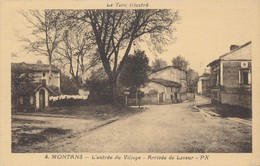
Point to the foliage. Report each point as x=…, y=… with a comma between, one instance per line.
x=98, y=74
x=20, y=79
x=99, y=91
x=111, y=33
x=158, y=64
x=115, y=32
x=46, y=32
x=135, y=72
x=76, y=53
x=68, y=85
x=180, y=62
x=62, y=40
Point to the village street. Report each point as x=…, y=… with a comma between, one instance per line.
x=163, y=128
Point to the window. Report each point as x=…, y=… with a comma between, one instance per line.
x=21, y=100
x=43, y=74
x=217, y=78
x=245, y=77
x=215, y=75
x=31, y=100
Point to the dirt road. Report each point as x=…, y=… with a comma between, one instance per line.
x=172, y=128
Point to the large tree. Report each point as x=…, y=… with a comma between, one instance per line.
x=76, y=53
x=135, y=72
x=46, y=31
x=62, y=40
x=115, y=32
x=180, y=62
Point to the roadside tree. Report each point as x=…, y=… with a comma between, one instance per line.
x=135, y=72
x=180, y=62
x=76, y=53
x=46, y=32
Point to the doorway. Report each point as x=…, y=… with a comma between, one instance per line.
x=42, y=99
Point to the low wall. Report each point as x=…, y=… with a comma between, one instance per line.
x=243, y=100
x=151, y=99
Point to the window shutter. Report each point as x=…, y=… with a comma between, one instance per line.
x=239, y=77
x=249, y=77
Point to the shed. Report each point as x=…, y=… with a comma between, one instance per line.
x=32, y=97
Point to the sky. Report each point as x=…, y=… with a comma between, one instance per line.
x=205, y=32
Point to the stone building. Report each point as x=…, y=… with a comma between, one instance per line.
x=231, y=76
x=34, y=94
x=168, y=85
x=204, y=85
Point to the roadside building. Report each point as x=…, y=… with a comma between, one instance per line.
x=167, y=85
x=231, y=77
x=34, y=94
x=39, y=72
x=204, y=85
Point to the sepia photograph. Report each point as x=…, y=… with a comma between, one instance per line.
x=99, y=93
x=132, y=78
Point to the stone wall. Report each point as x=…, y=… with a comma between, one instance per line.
x=243, y=100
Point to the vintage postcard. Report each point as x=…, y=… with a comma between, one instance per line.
x=130, y=82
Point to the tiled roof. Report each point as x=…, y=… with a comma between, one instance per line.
x=167, y=67
x=27, y=89
x=238, y=48
x=31, y=88
x=216, y=61
x=32, y=67
x=165, y=83
x=205, y=75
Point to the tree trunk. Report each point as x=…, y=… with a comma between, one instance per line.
x=113, y=89
x=50, y=72
x=136, y=96
x=78, y=83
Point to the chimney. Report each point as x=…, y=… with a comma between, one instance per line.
x=233, y=47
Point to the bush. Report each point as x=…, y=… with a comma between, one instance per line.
x=99, y=93
x=25, y=108
x=68, y=85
